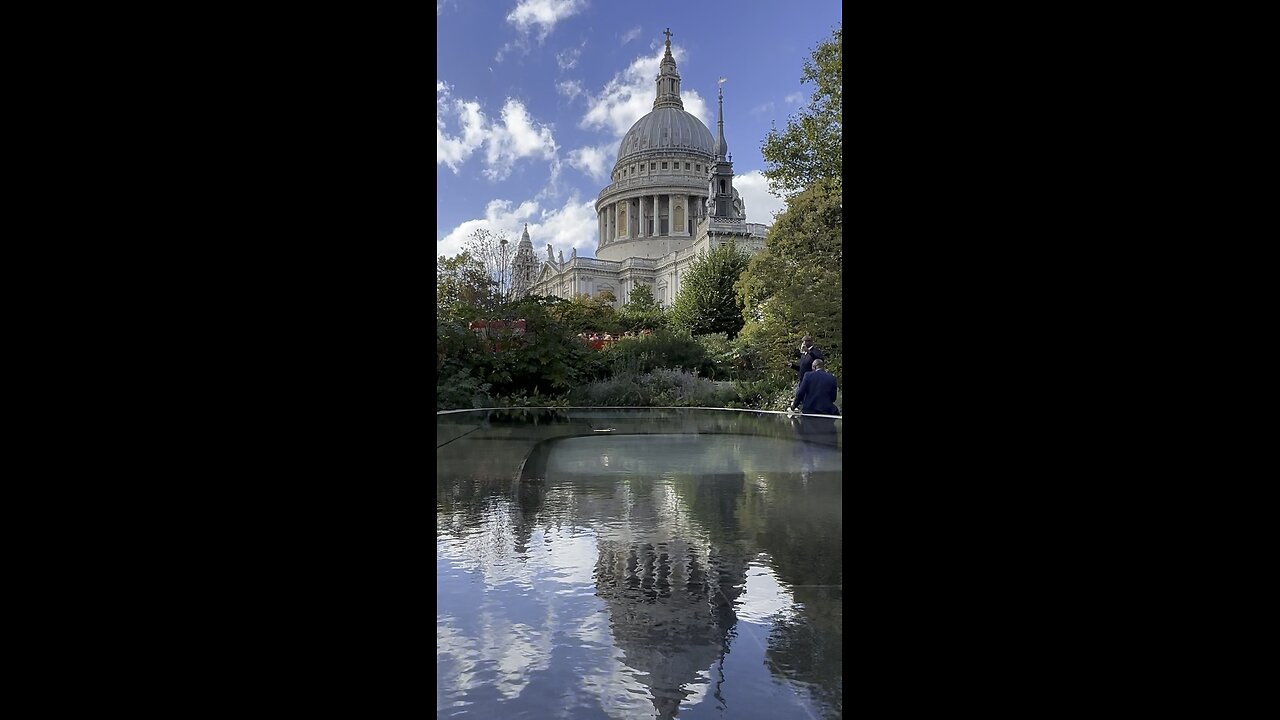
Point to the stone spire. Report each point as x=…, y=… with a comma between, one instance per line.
x=722, y=147
x=668, y=80
x=524, y=267
x=723, y=200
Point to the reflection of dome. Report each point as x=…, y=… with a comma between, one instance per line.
x=667, y=128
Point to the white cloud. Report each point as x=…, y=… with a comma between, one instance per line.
x=453, y=150
x=569, y=88
x=762, y=109
x=571, y=226
x=542, y=14
x=630, y=35
x=568, y=226
x=517, y=135
x=761, y=206
x=794, y=98
x=521, y=43
x=552, y=188
x=499, y=216
x=568, y=59
x=629, y=96
x=594, y=161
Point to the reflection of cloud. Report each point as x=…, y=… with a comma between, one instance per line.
x=454, y=654
x=505, y=656
x=519, y=651
x=574, y=557
x=764, y=596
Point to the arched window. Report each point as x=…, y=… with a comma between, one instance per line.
x=722, y=186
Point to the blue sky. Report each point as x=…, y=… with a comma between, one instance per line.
x=533, y=97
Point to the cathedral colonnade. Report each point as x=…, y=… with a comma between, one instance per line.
x=644, y=216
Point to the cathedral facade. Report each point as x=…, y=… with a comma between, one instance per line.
x=671, y=197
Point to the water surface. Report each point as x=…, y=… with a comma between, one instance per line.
x=638, y=563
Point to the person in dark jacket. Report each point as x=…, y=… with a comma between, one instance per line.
x=817, y=392
x=808, y=353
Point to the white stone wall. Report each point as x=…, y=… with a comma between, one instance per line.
x=651, y=248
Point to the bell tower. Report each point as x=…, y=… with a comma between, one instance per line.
x=720, y=191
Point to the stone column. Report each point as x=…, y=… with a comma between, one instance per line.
x=657, y=220
x=671, y=216
x=640, y=216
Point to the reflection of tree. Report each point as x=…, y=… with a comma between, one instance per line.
x=809, y=650
x=798, y=522
x=713, y=500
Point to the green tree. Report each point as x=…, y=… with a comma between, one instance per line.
x=461, y=286
x=793, y=287
x=548, y=359
x=585, y=313
x=706, y=302
x=642, y=312
x=810, y=148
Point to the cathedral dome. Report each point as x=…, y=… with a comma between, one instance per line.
x=666, y=128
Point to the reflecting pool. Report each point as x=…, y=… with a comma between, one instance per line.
x=638, y=563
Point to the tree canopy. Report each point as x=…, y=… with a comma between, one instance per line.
x=588, y=313
x=460, y=284
x=495, y=253
x=642, y=312
x=810, y=147
x=707, y=302
x=792, y=287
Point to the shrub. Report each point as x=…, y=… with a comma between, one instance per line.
x=534, y=399
x=660, y=388
x=460, y=389
x=662, y=349
x=769, y=393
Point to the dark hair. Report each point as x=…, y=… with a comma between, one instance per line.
x=818, y=364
